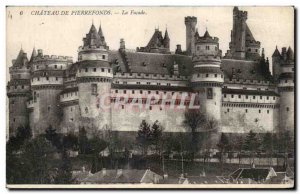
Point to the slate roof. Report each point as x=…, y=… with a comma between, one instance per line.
x=155, y=63
x=21, y=59
x=256, y=174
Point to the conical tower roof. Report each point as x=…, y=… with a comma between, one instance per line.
x=276, y=53
x=33, y=54
x=290, y=54
x=21, y=59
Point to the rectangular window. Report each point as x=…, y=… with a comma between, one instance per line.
x=261, y=97
x=102, y=69
x=209, y=93
x=287, y=109
x=148, y=83
x=149, y=92
x=94, y=89
x=232, y=95
x=86, y=69
x=108, y=70
x=216, y=75
x=124, y=91
x=95, y=69
x=246, y=96
x=274, y=98
x=240, y=96
x=206, y=75
x=37, y=67
x=141, y=91
x=267, y=97
x=268, y=111
x=47, y=78
x=225, y=96
x=246, y=110
x=133, y=91
x=259, y=111
x=55, y=66
x=116, y=91
x=227, y=109
x=103, y=56
x=253, y=97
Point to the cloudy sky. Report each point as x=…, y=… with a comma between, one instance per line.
x=62, y=35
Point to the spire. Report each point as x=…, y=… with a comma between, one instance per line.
x=21, y=59
x=290, y=54
x=92, y=38
x=166, y=35
x=206, y=34
x=100, y=31
x=276, y=52
x=197, y=33
x=33, y=55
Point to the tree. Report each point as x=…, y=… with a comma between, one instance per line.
x=64, y=174
x=267, y=146
x=70, y=141
x=193, y=120
x=251, y=144
x=144, y=136
x=36, y=161
x=82, y=141
x=15, y=142
x=285, y=144
x=95, y=146
x=52, y=136
x=223, y=146
x=156, y=135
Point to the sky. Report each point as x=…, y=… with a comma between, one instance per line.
x=62, y=34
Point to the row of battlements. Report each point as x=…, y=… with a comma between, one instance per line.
x=247, y=81
x=54, y=57
x=151, y=76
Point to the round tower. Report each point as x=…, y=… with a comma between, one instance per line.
x=18, y=89
x=94, y=75
x=190, y=24
x=46, y=84
x=286, y=90
x=207, y=78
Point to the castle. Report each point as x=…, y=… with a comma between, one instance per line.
x=236, y=89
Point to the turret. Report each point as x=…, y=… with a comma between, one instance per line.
x=18, y=92
x=243, y=45
x=166, y=40
x=276, y=57
x=190, y=24
x=94, y=46
x=207, y=78
x=285, y=84
x=47, y=80
x=94, y=75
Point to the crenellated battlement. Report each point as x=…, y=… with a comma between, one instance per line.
x=190, y=19
x=151, y=76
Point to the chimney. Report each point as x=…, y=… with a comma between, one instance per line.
x=178, y=49
x=122, y=43
x=40, y=52
x=103, y=171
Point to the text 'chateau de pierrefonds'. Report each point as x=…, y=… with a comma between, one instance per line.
x=236, y=89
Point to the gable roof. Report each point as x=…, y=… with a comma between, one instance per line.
x=256, y=174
